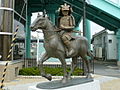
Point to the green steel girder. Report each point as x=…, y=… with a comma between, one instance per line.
x=53, y=9
x=106, y=17
x=36, y=9
x=96, y=19
x=78, y=20
x=18, y=8
x=92, y=12
x=49, y=7
x=118, y=38
x=107, y=6
x=77, y=16
x=28, y=36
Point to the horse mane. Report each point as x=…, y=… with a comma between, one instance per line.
x=56, y=29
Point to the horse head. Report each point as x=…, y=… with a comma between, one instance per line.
x=39, y=23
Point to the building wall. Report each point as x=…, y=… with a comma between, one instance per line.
x=99, y=45
x=105, y=45
x=112, y=47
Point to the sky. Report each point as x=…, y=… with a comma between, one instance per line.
x=35, y=34
x=95, y=28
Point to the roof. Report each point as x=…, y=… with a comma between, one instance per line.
x=103, y=31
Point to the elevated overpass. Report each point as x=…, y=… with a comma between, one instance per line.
x=103, y=12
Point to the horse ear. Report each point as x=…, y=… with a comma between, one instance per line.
x=44, y=13
x=38, y=15
x=48, y=17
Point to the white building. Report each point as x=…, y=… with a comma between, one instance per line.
x=105, y=45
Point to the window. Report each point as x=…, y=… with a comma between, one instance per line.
x=110, y=41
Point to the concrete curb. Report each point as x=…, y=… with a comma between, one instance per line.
x=40, y=77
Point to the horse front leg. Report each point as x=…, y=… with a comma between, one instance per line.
x=63, y=62
x=43, y=59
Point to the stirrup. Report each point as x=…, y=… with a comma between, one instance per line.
x=70, y=53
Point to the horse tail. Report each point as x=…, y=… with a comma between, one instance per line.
x=89, y=53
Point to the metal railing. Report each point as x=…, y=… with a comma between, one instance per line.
x=31, y=62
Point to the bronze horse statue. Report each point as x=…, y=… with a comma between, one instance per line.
x=55, y=48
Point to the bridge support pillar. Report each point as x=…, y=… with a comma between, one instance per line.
x=52, y=16
x=118, y=38
x=28, y=36
x=88, y=33
x=77, y=28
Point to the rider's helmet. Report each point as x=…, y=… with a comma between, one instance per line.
x=65, y=8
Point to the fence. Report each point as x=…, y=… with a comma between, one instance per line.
x=31, y=62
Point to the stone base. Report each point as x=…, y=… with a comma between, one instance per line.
x=12, y=69
x=92, y=85
x=118, y=63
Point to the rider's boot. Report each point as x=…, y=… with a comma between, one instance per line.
x=71, y=51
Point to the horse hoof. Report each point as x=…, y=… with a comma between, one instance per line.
x=49, y=77
x=89, y=76
x=69, y=77
x=64, y=80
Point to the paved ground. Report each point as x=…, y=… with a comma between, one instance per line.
x=109, y=75
x=107, y=69
x=106, y=72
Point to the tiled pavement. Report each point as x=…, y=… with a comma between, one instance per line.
x=106, y=83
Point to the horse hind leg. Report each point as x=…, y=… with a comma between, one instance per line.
x=43, y=59
x=85, y=60
x=73, y=66
x=90, y=55
x=91, y=61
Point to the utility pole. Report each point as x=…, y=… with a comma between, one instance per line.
x=38, y=46
x=84, y=31
x=84, y=17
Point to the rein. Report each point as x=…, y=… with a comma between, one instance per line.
x=52, y=31
x=58, y=29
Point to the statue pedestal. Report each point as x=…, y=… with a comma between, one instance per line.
x=118, y=63
x=74, y=84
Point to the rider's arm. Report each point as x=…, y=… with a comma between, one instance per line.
x=65, y=27
x=72, y=20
